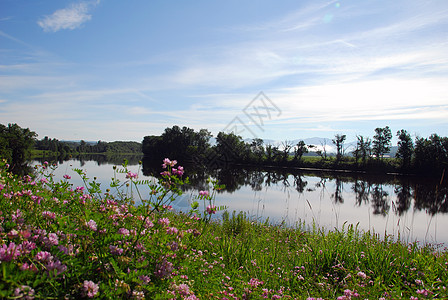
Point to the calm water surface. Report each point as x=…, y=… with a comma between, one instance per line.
x=412, y=208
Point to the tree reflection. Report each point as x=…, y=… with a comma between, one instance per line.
x=361, y=188
x=378, y=191
x=337, y=195
x=380, y=200
x=431, y=197
x=404, y=197
x=299, y=183
x=256, y=179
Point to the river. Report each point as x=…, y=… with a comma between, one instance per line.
x=411, y=208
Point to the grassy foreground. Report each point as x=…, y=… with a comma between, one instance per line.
x=59, y=241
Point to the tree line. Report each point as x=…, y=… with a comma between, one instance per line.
x=419, y=155
x=17, y=145
x=422, y=155
x=70, y=147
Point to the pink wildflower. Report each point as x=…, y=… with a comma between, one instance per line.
x=43, y=256
x=423, y=292
x=164, y=269
x=24, y=292
x=211, y=209
x=51, y=240
x=55, y=265
x=67, y=176
x=164, y=221
x=362, y=275
x=167, y=162
x=203, y=194
x=183, y=289
x=165, y=173
x=49, y=215
x=180, y=171
x=131, y=175
x=172, y=230
x=254, y=282
x=123, y=231
x=10, y=252
x=138, y=295
x=145, y=279
x=92, y=225
x=79, y=189
x=90, y=289
x=115, y=250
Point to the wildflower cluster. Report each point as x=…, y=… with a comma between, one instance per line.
x=60, y=241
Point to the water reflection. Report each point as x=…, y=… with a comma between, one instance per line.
x=416, y=205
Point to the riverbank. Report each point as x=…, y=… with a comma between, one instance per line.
x=59, y=240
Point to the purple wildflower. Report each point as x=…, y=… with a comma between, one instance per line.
x=203, y=194
x=92, y=225
x=362, y=275
x=123, y=231
x=90, y=288
x=10, y=252
x=164, y=221
x=164, y=269
x=43, y=256
x=24, y=292
x=131, y=175
x=211, y=209
x=115, y=250
x=172, y=230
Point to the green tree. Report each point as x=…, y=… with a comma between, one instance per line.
x=15, y=145
x=405, y=147
x=339, y=140
x=431, y=153
x=300, y=150
x=362, y=150
x=257, y=150
x=286, y=145
x=381, y=141
x=231, y=147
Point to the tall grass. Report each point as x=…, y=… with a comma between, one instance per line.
x=60, y=241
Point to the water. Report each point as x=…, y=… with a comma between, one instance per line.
x=415, y=209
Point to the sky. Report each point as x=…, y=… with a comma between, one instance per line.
x=279, y=70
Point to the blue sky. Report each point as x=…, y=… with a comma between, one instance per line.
x=120, y=70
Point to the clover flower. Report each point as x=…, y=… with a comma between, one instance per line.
x=10, y=252
x=164, y=269
x=211, y=209
x=164, y=221
x=362, y=275
x=131, y=175
x=92, y=225
x=123, y=231
x=24, y=292
x=90, y=288
x=203, y=194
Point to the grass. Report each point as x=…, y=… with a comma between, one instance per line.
x=60, y=241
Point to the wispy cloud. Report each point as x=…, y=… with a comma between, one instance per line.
x=71, y=17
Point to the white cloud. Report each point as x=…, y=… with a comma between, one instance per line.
x=68, y=18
